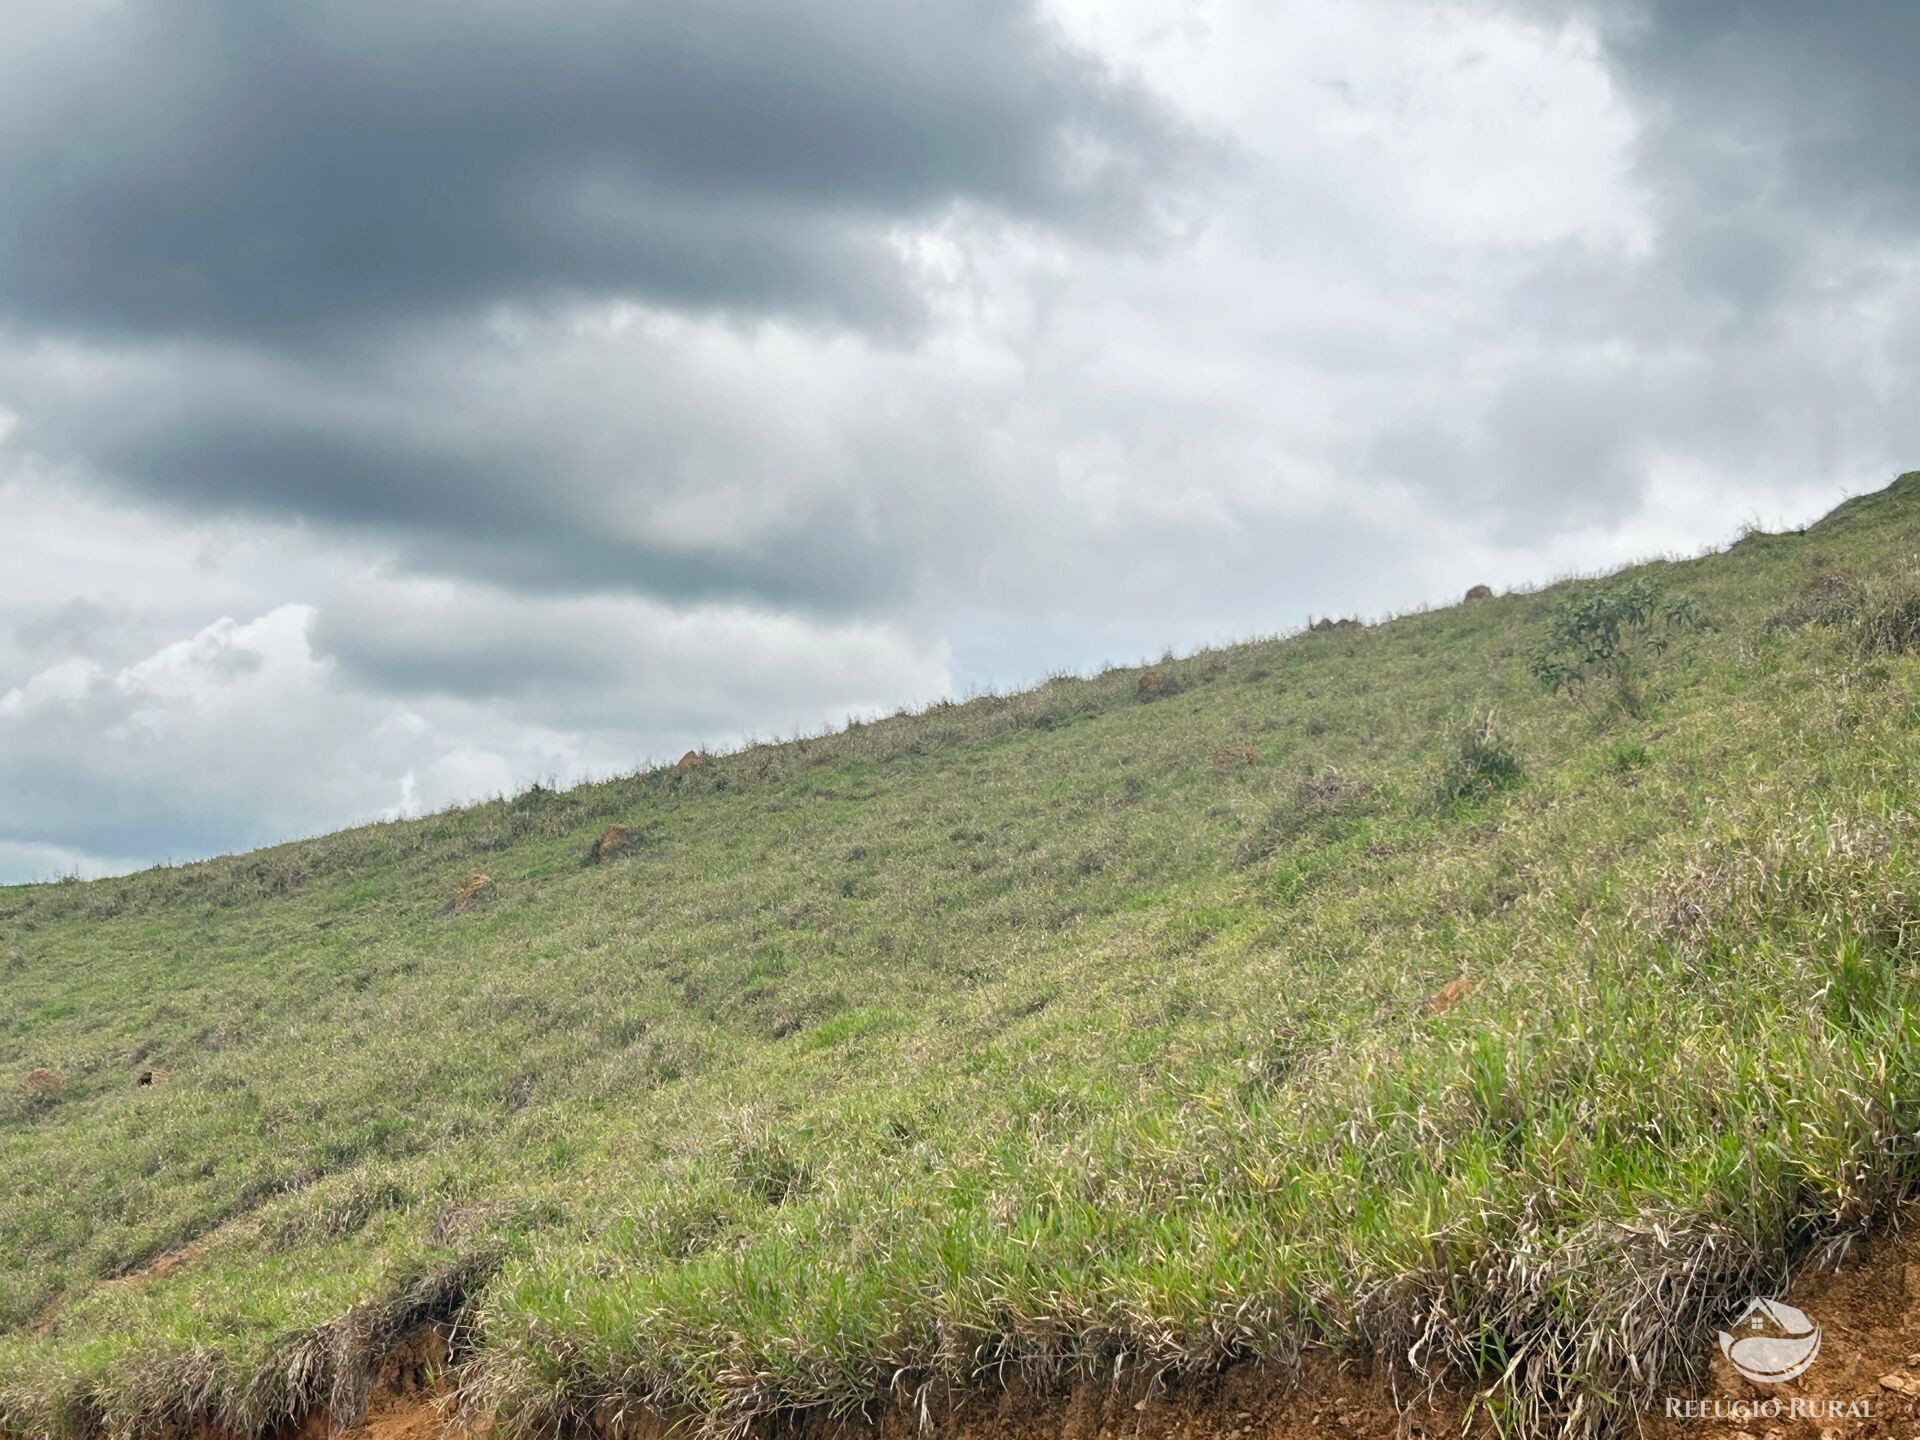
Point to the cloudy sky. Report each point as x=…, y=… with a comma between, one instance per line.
x=401, y=402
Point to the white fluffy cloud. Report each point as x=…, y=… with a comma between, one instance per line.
x=376, y=696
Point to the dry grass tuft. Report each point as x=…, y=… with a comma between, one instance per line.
x=477, y=887
x=1313, y=804
x=1233, y=757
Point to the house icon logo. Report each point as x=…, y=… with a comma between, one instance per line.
x=1770, y=1341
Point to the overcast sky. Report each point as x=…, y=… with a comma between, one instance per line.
x=402, y=402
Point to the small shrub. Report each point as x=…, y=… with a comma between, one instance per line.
x=1626, y=755
x=1831, y=599
x=1610, y=634
x=1479, y=763
x=1313, y=802
x=1887, y=622
x=762, y=1165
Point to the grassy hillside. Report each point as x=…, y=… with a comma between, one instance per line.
x=1078, y=1028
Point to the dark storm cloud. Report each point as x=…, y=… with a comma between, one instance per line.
x=529, y=473
x=254, y=258
x=221, y=167
x=1766, y=130
x=1755, y=103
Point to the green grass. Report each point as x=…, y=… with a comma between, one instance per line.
x=1027, y=1036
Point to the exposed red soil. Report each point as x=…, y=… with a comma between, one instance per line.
x=1864, y=1384
x=410, y=1401
x=1868, y=1311
x=1447, y=996
x=1324, y=1397
x=613, y=840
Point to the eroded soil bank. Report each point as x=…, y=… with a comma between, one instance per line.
x=1863, y=1385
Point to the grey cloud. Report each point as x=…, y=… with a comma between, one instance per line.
x=547, y=467
x=218, y=167
x=74, y=625
x=1763, y=103
x=299, y=287
x=1775, y=138
x=1757, y=331
x=615, y=665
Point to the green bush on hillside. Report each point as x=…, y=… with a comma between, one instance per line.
x=1610, y=635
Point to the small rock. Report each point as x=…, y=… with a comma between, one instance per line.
x=1900, y=1384
x=689, y=762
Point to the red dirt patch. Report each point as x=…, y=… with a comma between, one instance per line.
x=161, y=1266
x=410, y=1400
x=43, y=1082
x=1156, y=681
x=1447, y=996
x=613, y=840
x=1325, y=1397
x=1868, y=1311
